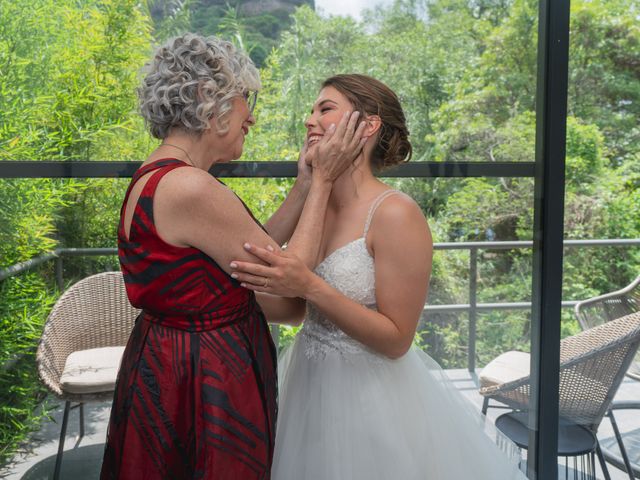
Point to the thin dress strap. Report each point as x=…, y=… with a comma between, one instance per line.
x=142, y=171
x=374, y=207
x=150, y=186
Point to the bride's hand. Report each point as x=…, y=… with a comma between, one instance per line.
x=284, y=275
x=304, y=165
x=337, y=149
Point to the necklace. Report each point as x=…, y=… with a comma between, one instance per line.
x=179, y=148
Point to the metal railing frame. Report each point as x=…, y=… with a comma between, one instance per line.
x=472, y=308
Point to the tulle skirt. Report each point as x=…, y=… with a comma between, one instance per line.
x=362, y=416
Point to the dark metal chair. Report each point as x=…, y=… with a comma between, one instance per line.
x=597, y=311
x=592, y=367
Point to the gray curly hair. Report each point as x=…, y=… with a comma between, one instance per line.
x=192, y=79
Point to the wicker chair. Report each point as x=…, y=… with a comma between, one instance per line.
x=93, y=313
x=592, y=366
x=597, y=311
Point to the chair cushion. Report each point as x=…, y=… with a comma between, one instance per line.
x=505, y=368
x=91, y=371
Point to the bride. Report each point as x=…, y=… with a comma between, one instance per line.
x=356, y=400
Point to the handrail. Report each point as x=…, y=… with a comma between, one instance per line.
x=472, y=307
x=20, y=267
x=263, y=169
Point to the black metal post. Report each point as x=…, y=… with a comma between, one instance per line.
x=473, y=304
x=551, y=118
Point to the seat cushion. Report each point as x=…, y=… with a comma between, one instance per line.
x=91, y=371
x=505, y=368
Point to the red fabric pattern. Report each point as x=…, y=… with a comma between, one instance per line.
x=196, y=390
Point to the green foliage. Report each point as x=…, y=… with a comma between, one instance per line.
x=604, y=70
x=286, y=336
x=256, y=28
x=63, y=89
x=65, y=93
x=25, y=302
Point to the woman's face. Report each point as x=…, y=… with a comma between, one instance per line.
x=240, y=120
x=329, y=107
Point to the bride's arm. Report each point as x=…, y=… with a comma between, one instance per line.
x=282, y=310
x=303, y=243
x=328, y=158
x=403, y=267
x=283, y=222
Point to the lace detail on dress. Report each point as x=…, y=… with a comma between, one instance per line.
x=351, y=270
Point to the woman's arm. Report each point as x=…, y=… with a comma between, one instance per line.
x=283, y=222
x=282, y=310
x=191, y=208
x=403, y=267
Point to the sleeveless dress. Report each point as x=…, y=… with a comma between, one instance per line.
x=349, y=413
x=196, y=390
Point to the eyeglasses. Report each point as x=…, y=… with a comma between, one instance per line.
x=251, y=97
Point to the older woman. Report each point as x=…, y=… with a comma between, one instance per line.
x=196, y=392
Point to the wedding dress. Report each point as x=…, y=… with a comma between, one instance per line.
x=349, y=413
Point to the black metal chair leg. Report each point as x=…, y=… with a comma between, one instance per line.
x=63, y=434
x=623, y=450
x=81, y=415
x=485, y=405
x=603, y=463
x=81, y=420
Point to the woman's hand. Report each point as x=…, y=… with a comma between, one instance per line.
x=304, y=165
x=284, y=275
x=337, y=149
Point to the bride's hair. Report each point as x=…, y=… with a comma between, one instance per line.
x=372, y=97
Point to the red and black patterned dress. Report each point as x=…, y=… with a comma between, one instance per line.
x=196, y=391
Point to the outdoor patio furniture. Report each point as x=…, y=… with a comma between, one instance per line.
x=604, y=308
x=592, y=366
x=81, y=345
x=596, y=311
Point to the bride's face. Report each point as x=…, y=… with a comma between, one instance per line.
x=329, y=107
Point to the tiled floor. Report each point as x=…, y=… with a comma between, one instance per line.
x=83, y=462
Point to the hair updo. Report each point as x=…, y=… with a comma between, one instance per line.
x=372, y=97
x=191, y=80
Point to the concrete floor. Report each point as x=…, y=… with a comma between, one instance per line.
x=82, y=462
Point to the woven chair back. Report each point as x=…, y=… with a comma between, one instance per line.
x=592, y=367
x=93, y=313
x=604, y=308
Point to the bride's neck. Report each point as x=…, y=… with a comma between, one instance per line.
x=349, y=187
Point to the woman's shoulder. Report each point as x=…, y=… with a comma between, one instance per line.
x=397, y=213
x=189, y=183
x=397, y=205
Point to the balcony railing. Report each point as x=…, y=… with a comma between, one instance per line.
x=472, y=308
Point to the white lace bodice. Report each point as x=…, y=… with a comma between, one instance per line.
x=350, y=269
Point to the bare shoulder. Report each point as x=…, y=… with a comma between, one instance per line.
x=192, y=208
x=399, y=231
x=399, y=221
x=396, y=211
x=188, y=182
x=189, y=187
